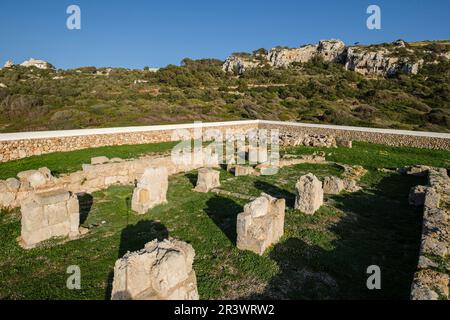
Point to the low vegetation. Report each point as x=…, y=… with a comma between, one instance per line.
x=315, y=92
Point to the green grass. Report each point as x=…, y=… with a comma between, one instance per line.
x=319, y=257
x=65, y=162
x=373, y=156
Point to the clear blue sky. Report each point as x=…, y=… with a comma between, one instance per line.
x=138, y=33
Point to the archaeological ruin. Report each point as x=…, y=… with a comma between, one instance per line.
x=162, y=270
x=261, y=224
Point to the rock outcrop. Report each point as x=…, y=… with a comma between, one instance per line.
x=379, y=60
x=49, y=214
x=8, y=64
x=40, y=64
x=261, y=224
x=309, y=194
x=160, y=271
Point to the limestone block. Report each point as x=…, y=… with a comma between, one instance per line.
x=261, y=224
x=432, y=198
x=333, y=185
x=346, y=143
x=309, y=194
x=151, y=190
x=243, y=170
x=49, y=214
x=207, y=180
x=99, y=160
x=34, y=178
x=160, y=271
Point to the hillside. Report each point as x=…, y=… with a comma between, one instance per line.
x=399, y=85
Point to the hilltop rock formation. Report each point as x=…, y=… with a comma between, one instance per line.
x=380, y=60
x=40, y=64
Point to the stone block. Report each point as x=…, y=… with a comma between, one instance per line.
x=151, y=190
x=309, y=194
x=49, y=214
x=99, y=160
x=207, y=180
x=261, y=224
x=160, y=271
x=333, y=185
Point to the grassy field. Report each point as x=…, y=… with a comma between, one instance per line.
x=320, y=257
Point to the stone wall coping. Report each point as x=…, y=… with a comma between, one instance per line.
x=361, y=129
x=101, y=131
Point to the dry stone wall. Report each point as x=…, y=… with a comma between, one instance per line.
x=22, y=145
x=344, y=136
x=430, y=282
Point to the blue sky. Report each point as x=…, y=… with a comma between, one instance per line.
x=138, y=33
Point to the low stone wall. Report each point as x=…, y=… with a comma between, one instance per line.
x=429, y=140
x=92, y=178
x=15, y=146
x=21, y=145
x=430, y=283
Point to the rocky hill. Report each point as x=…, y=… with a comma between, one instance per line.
x=384, y=60
x=313, y=83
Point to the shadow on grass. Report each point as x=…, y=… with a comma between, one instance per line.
x=223, y=211
x=276, y=192
x=379, y=228
x=192, y=177
x=85, y=200
x=134, y=238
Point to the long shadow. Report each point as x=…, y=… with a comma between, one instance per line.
x=276, y=192
x=223, y=211
x=379, y=228
x=85, y=201
x=192, y=177
x=134, y=238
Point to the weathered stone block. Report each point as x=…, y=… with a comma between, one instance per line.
x=243, y=170
x=207, y=180
x=309, y=194
x=261, y=224
x=333, y=185
x=99, y=160
x=342, y=142
x=160, y=271
x=49, y=214
x=151, y=190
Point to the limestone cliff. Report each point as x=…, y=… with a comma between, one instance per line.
x=382, y=60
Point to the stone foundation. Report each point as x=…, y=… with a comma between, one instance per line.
x=49, y=214
x=261, y=224
x=160, y=271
